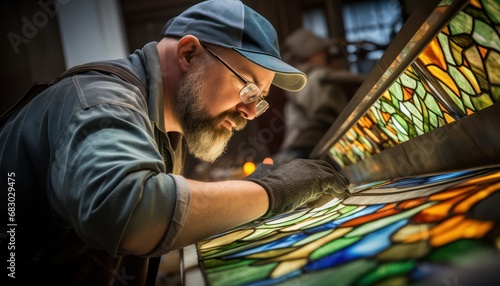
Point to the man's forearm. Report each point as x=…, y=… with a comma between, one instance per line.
x=219, y=206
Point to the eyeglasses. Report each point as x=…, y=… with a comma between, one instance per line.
x=250, y=92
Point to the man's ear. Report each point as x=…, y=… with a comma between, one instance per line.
x=187, y=48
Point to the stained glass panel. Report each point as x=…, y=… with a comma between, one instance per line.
x=463, y=61
x=420, y=227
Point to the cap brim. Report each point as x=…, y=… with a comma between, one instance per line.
x=286, y=77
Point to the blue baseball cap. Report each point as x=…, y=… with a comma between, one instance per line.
x=232, y=24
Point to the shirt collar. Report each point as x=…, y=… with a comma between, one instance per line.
x=151, y=61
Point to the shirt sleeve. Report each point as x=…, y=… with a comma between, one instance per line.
x=107, y=175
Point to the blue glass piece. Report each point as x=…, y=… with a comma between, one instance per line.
x=421, y=181
x=335, y=223
x=280, y=243
x=370, y=245
x=426, y=269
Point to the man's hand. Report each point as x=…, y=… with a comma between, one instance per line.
x=299, y=182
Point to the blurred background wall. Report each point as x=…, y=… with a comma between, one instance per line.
x=42, y=38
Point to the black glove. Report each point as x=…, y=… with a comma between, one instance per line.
x=300, y=182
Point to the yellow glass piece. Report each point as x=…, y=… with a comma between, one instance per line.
x=445, y=78
x=482, y=179
x=258, y=233
x=286, y=267
x=448, y=118
x=286, y=218
x=225, y=239
x=420, y=230
x=476, y=3
x=440, y=211
x=464, y=206
x=307, y=222
x=387, y=207
x=469, y=75
x=433, y=55
x=450, y=194
x=408, y=204
x=452, y=230
x=387, y=95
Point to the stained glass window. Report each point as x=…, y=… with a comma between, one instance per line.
x=462, y=68
x=400, y=231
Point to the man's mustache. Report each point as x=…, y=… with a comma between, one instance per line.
x=236, y=118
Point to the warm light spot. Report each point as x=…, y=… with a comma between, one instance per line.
x=248, y=168
x=268, y=161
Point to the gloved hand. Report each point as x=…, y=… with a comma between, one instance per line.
x=300, y=182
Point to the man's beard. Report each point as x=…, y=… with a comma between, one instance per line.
x=206, y=137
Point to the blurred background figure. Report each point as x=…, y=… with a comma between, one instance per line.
x=309, y=113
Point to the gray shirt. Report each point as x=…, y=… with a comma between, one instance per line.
x=90, y=153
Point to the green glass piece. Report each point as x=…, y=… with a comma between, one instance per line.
x=433, y=119
x=240, y=275
x=476, y=64
x=333, y=246
x=401, y=124
x=452, y=96
x=394, y=281
x=211, y=265
x=493, y=67
x=463, y=41
x=485, y=35
x=466, y=99
x=320, y=222
x=343, y=275
x=408, y=81
x=491, y=8
x=419, y=126
x=431, y=103
x=402, y=251
x=257, y=234
x=395, y=91
x=495, y=93
x=405, y=111
x=462, y=23
x=387, y=270
x=387, y=107
x=422, y=93
x=463, y=252
x=482, y=101
x=287, y=220
x=460, y=80
x=445, y=47
x=348, y=210
x=413, y=109
x=313, y=237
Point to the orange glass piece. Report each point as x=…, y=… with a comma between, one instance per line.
x=439, y=211
x=370, y=217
